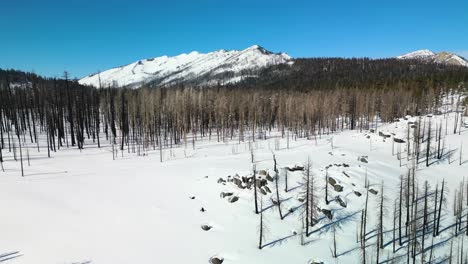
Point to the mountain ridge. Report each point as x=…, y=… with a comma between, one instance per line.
x=225, y=66
x=221, y=67
x=443, y=57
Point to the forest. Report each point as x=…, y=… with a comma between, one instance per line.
x=313, y=97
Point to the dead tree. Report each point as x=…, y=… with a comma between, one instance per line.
x=440, y=207
x=260, y=237
x=255, y=189
x=278, y=200
x=428, y=144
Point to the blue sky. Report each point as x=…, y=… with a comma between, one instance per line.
x=83, y=36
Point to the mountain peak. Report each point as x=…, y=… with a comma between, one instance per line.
x=218, y=67
x=443, y=57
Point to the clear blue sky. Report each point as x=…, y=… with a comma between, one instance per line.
x=83, y=36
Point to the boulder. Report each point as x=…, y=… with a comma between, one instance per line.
x=221, y=180
x=237, y=181
x=363, y=159
x=374, y=192
x=331, y=181
x=269, y=178
x=338, y=188
x=295, y=168
x=341, y=202
x=327, y=213
x=206, y=227
x=398, y=140
x=261, y=182
x=225, y=194
x=358, y=194
x=216, y=260
x=233, y=199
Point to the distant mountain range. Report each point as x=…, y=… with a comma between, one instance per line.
x=219, y=67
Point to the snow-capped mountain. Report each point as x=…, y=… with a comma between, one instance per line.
x=200, y=68
x=441, y=57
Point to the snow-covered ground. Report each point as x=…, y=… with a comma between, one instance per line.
x=85, y=207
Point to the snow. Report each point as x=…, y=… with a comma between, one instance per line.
x=168, y=70
x=441, y=57
x=417, y=54
x=83, y=206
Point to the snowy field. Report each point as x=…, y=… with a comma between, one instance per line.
x=85, y=207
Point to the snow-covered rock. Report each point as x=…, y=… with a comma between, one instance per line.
x=441, y=57
x=218, y=67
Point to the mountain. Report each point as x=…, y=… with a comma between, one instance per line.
x=441, y=57
x=221, y=67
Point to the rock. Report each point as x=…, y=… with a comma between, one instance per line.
x=262, y=172
x=273, y=201
x=341, y=202
x=192, y=197
x=269, y=178
x=338, y=188
x=295, y=168
x=331, y=181
x=382, y=134
x=327, y=213
x=363, y=159
x=267, y=189
x=216, y=260
x=202, y=210
x=398, y=140
x=206, y=227
x=353, y=184
x=261, y=182
x=372, y=130
x=237, y=181
x=374, y=192
x=345, y=165
x=301, y=199
x=358, y=194
x=263, y=191
x=225, y=194
x=233, y=199
x=221, y=180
